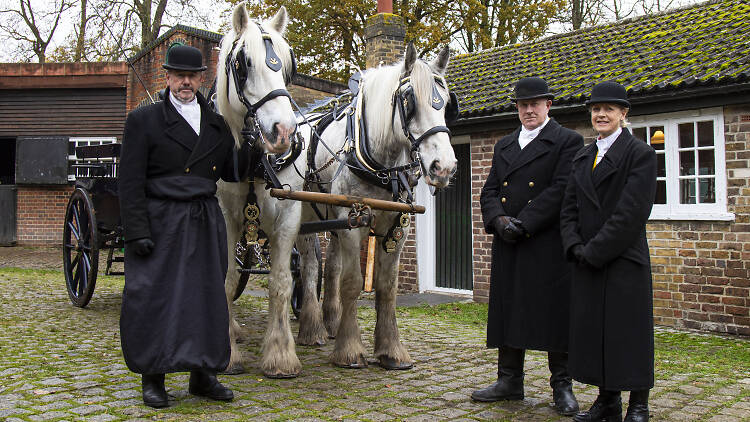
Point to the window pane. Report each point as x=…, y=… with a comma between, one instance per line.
x=706, y=134
x=661, y=167
x=71, y=148
x=687, y=163
x=706, y=162
x=661, y=192
x=658, y=144
x=687, y=135
x=687, y=191
x=640, y=133
x=706, y=187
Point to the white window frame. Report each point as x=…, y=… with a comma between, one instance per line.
x=673, y=209
x=86, y=141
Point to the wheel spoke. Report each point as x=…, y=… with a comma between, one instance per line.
x=84, y=276
x=74, y=230
x=76, y=213
x=76, y=281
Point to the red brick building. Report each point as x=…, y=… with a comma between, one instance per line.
x=688, y=75
x=63, y=104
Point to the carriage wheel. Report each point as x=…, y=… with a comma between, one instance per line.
x=297, y=278
x=80, y=248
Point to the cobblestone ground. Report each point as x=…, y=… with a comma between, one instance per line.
x=60, y=362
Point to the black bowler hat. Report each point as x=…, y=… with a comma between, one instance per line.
x=609, y=92
x=184, y=57
x=529, y=88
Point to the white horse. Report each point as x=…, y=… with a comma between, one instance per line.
x=280, y=220
x=391, y=145
x=251, y=74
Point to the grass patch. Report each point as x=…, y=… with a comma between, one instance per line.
x=473, y=314
x=700, y=354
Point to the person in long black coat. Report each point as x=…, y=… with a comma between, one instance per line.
x=174, y=311
x=530, y=280
x=603, y=225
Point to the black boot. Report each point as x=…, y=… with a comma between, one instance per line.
x=562, y=384
x=204, y=383
x=509, y=385
x=637, y=407
x=607, y=407
x=154, y=394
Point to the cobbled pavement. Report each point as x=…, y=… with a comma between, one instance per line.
x=60, y=362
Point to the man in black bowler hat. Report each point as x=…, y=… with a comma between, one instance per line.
x=530, y=280
x=174, y=311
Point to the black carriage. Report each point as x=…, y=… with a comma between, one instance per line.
x=92, y=225
x=92, y=221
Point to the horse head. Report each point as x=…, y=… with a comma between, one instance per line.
x=422, y=104
x=255, y=64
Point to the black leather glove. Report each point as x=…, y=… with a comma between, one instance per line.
x=499, y=223
x=578, y=255
x=143, y=246
x=513, y=231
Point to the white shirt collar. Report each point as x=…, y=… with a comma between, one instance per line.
x=191, y=111
x=605, y=143
x=527, y=136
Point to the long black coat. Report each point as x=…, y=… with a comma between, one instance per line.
x=174, y=312
x=530, y=281
x=606, y=210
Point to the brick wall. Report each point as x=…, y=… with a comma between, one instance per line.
x=701, y=269
x=41, y=214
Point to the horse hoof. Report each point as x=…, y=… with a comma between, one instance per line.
x=234, y=370
x=353, y=365
x=280, y=376
x=387, y=362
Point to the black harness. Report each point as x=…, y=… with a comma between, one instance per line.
x=397, y=179
x=236, y=67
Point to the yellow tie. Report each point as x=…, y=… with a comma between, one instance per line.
x=597, y=154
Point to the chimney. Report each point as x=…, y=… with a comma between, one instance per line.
x=384, y=36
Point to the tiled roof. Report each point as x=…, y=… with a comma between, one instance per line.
x=698, y=46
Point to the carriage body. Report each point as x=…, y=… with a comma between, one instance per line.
x=92, y=221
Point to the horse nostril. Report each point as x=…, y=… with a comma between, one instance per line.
x=434, y=168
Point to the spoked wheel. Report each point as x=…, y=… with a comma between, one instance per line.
x=298, y=290
x=255, y=256
x=80, y=248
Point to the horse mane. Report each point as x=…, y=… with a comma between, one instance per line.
x=255, y=50
x=379, y=85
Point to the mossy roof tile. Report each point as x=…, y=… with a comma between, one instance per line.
x=700, y=45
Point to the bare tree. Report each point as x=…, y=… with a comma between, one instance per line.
x=32, y=27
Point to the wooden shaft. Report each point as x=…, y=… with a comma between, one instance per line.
x=370, y=268
x=346, y=201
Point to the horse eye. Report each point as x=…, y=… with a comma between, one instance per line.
x=249, y=62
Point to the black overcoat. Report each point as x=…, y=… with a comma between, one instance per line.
x=174, y=312
x=606, y=210
x=530, y=281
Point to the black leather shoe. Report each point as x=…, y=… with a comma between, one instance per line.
x=565, y=401
x=637, y=413
x=607, y=407
x=154, y=393
x=502, y=389
x=205, y=384
x=637, y=407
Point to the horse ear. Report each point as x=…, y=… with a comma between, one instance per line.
x=440, y=63
x=240, y=18
x=279, y=20
x=410, y=57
